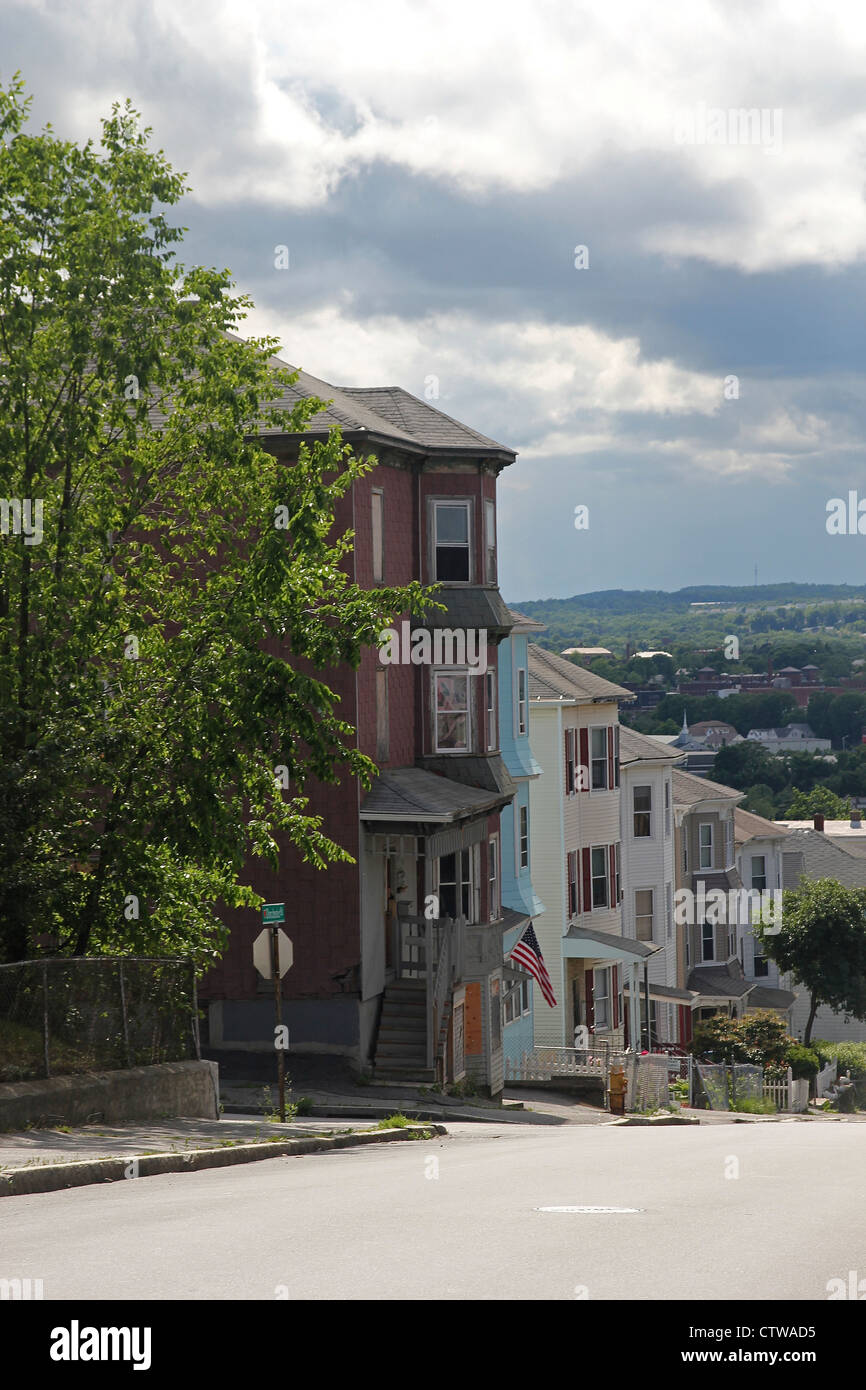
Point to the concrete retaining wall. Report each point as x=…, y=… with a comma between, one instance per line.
x=111, y=1097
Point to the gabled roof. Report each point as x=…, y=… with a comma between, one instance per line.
x=748, y=826
x=553, y=678
x=639, y=748
x=689, y=790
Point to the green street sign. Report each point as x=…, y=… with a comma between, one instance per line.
x=273, y=912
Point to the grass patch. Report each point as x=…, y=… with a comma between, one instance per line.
x=753, y=1106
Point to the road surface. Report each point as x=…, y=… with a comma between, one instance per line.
x=748, y=1211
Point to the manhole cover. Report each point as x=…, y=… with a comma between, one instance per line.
x=596, y=1211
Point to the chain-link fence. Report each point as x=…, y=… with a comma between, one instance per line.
x=95, y=1013
x=725, y=1085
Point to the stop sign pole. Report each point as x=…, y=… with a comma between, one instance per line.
x=272, y=915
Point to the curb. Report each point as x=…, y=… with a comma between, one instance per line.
x=632, y=1121
x=369, y=1112
x=54, y=1177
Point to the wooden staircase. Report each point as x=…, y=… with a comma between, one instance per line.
x=401, y=1045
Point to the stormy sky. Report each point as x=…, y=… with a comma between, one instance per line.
x=696, y=380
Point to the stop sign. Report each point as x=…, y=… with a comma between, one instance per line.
x=262, y=958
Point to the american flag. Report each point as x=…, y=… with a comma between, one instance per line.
x=527, y=953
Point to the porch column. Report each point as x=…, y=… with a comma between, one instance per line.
x=634, y=1032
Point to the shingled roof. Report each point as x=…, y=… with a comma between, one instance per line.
x=553, y=678
x=638, y=748
x=689, y=790
x=384, y=414
x=411, y=793
x=748, y=826
x=421, y=421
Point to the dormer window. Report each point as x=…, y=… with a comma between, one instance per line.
x=451, y=542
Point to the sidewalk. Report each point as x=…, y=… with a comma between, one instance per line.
x=50, y=1160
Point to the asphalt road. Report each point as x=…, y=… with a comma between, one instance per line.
x=390, y=1223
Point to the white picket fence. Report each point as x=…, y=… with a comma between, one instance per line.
x=788, y=1095
x=826, y=1078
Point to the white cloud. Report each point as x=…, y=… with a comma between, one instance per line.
x=276, y=104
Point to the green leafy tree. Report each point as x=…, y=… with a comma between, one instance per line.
x=165, y=639
x=821, y=942
x=743, y=764
x=819, y=801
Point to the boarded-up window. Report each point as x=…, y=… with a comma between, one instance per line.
x=383, y=740
x=378, y=502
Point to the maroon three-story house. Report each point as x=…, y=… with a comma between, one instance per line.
x=398, y=957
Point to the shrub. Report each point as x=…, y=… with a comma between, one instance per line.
x=804, y=1062
x=851, y=1056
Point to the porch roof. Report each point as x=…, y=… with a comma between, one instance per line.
x=718, y=982
x=582, y=944
x=667, y=992
x=765, y=997
x=411, y=794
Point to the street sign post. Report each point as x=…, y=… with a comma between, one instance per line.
x=273, y=955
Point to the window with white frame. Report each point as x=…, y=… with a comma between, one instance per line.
x=759, y=871
x=669, y=910
x=598, y=759
x=378, y=524
x=729, y=842
x=491, y=709
x=617, y=854
x=599, y=872
x=490, y=541
x=523, y=844
x=493, y=878
x=452, y=712
x=451, y=542
x=601, y=997
x=643, y=914
x=522, y=724
x=732, y=939
x=516, y=1003
x=642, y=801
x=705, y=844
x=685, y=834
x=761, y=964
x=667, y=809
x=708, y=942
x=457, y=888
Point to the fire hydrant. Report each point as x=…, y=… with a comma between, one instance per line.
x=616, y=1089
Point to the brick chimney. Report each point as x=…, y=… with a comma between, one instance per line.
x=818, y=821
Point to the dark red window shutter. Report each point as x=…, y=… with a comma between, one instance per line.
x=614, y=994
x=565, y=741
x=610, y=759
x=587, y=881
x=611, y=855
x=584, y=759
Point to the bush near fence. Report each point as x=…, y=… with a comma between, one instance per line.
x=63, y=1016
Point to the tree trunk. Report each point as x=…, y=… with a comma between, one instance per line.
x=807, y=1036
